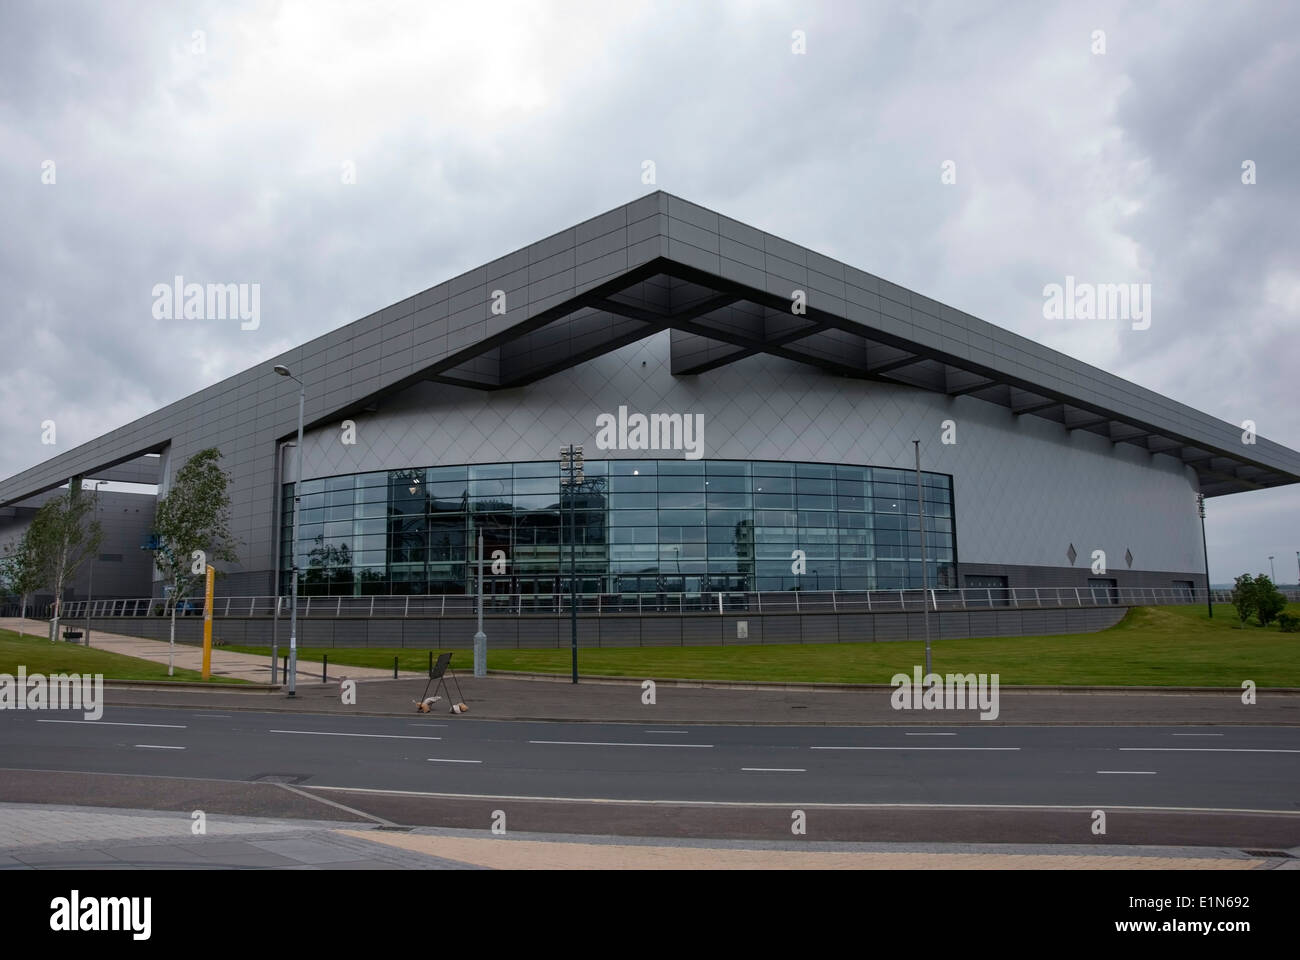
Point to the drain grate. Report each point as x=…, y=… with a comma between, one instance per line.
x=1274, y=854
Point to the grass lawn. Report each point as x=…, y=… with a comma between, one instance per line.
x=1152, y=646
x=38, y=655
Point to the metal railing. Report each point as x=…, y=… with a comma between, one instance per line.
x=718, y=603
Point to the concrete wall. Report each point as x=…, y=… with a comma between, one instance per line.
x=623, y=630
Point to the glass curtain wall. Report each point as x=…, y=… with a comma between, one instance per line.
x=642, y=526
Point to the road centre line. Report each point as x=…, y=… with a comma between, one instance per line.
x=774, y=769
x=1146, y=772
x=913, y=748
x=120, y=723
x=441, y=760
x=380, y=736
x=156, y=746
x=605, y=743
x=929, y=734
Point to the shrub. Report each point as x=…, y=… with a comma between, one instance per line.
x=1243, y=596
x=1269, y=601
x=1288, y=623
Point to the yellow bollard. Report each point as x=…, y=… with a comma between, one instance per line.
x=207, y=621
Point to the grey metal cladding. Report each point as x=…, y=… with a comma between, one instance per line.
x=658, y=228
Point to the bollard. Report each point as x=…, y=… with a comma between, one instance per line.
x=394, y=668
x=324, y=666
x=286, y=668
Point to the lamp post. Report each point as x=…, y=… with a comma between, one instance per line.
x=1209, y=599
x=283, y=371
x=571, y=463
x=1271, y=570
x=90, y=588
x=925, y=578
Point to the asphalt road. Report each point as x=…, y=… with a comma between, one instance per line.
x=1225, y=768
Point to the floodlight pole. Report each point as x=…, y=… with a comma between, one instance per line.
x=297, y=516
x=90, y=588
x=571, y=459
x=1205, y=550
x=925, y=578
x=480, y=638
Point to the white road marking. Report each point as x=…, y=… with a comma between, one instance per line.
x=1208, y=750
x=813, y=803
x=1146, y=772
x=605, y=743
x=222, y=716
x=775, y=769
x=119, y=723
x=929, y=734
x=913, y=748
x=1196, y=734
x=668, y=731
x=440, y=760
x=426, y=724
x=156, y=746
x=381, y=736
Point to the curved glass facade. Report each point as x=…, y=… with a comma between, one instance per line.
x=642, y=526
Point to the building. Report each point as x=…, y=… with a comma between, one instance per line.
x=747, y=409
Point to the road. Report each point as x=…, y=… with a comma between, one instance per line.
x=999, y=783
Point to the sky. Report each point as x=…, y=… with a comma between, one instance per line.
x=345, y=156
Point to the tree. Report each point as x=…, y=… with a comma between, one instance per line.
x=62, y=535
x=19, y=573
x=192, y=525
x=1243, y=596
x=1269, y=600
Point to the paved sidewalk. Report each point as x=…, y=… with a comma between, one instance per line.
x=34, y=836
x=39, y=837
x=225, y=663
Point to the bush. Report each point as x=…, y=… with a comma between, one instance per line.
x=1243, y=596
x=1288, y=623
x=1269, y=601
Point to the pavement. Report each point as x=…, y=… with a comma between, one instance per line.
x=224, y=663
x=63, y=837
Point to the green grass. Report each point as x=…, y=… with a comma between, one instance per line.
x=1152, y=646
x=38, y=655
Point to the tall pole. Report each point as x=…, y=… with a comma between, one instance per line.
x=573, y=567
x=925, y=577
x=480, y=638
x=90, y=588
x=1209, y=599
x=297, y=515
x=1272, y=571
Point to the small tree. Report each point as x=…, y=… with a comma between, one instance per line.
x=192, y=523
x=1243, y=596
x=19, y=573
x=62, y=535
x=1269, y=600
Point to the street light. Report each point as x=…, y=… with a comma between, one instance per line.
x=1272, y=571
x=283, y=371
x=90, y=588
x=1205, y=550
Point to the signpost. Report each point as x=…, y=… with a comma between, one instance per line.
x=211, y=577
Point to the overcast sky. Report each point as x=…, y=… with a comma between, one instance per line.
x=212, y=141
